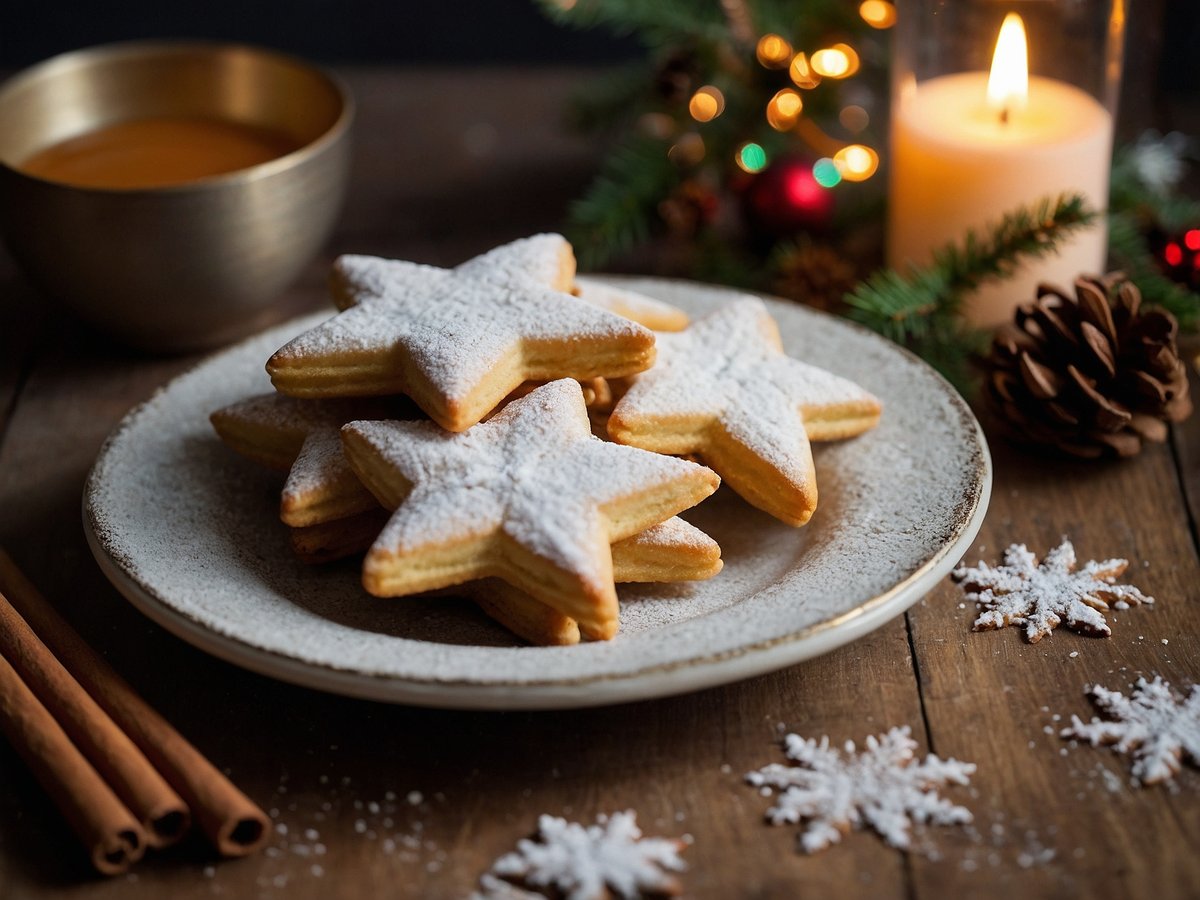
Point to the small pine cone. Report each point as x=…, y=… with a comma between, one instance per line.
x=814, y=274
x=1091, y=375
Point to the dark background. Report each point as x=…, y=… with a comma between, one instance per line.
x=1162, y=47
x=450, y=32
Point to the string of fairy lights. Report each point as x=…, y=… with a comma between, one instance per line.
x=785, y=110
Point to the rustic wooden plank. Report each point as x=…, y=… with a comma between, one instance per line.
x=993, y=699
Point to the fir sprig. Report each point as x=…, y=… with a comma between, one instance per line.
x=621, y=207
x=920, y=309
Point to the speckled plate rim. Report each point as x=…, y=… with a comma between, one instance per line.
x=660, y=680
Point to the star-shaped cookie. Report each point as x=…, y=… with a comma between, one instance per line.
x=530, y=496
x=671, y=551
x=457, y=341
x=303, y=438
x=549, y=260
x=724, y=391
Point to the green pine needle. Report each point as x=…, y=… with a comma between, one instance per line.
x=620, y=209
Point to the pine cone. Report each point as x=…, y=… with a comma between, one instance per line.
x=1090, y=375
x=814, y=274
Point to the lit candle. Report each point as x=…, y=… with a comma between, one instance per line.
x=971, y=146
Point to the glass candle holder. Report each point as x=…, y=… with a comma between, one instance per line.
x=998, y=104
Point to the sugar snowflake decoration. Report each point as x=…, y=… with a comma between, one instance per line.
x=881, y=787
x=608, y=859
x=1152, y=724
x=1041, y=596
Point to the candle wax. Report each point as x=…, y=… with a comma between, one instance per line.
x=957, y=164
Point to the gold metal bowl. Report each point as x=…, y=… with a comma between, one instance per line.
x=188, y=265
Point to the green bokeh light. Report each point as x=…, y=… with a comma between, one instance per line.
x=826, y=174
x=753, y=157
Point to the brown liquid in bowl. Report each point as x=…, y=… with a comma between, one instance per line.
x=156, y=152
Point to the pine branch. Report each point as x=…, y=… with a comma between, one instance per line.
x=620, y=208
x=920, y=309
x=897, y=305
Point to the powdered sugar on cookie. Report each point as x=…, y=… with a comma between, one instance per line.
x=533, y=476
x=457, y=341
x=724, y=389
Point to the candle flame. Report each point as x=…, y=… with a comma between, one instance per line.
x=1008, y=82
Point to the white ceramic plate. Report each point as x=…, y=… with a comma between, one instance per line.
x=188, y=532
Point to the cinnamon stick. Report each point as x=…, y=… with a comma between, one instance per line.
x=112, y=835
x=161, y=812
x=228, y=818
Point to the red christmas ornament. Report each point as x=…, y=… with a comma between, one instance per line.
x=785, y=198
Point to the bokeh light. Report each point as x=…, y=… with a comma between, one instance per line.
x=783, y=109
x=877, y=13
x=802, y=73
x=751, y=158
x=854, y=119
x=825, y=173
x=656, y=125
x=1192, y=239
x=688, y=150
x=706, y=104
x=856, y=162
x=803, y=190
x=838, y=61
x=773, y=51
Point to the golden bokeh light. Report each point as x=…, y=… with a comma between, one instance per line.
x=802, y=73
x=773, y=51
x=877, y=13
x=783, y=109
x=838, y=61
x=706, y=104
x=856, y=162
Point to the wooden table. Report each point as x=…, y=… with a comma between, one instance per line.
x=448, y=164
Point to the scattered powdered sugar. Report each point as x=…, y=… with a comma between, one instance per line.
x=881, y=787
x=534, y=471
x=1153, y=725
x=593, y=862
x=1041, y=596
x=304, y=834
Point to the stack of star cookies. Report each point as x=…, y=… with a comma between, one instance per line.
x=504, y=429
